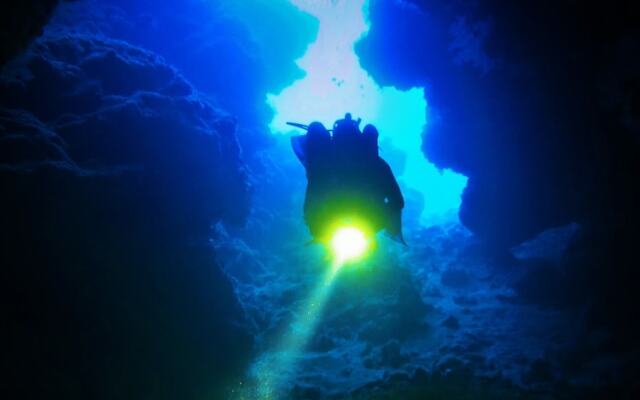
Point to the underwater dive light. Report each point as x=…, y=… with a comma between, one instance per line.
x=349, y=243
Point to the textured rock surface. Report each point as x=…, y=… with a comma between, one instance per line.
x=405, y=325
x=233, y=51
x=543, y=121
x=114, y=167
x=20, y=22
x=537, y=105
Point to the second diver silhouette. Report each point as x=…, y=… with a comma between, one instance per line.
x=347, y=179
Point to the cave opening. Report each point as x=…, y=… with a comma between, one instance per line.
x=335, y=83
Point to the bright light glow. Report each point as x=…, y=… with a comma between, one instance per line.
x=335, y=83
x=348, y=244
x=275, y=367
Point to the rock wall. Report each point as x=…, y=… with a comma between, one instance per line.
x=114, y=167
x=20, y=22
x=535, y=103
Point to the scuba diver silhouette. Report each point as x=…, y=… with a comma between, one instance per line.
x=346, y=177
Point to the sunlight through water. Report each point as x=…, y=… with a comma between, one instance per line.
x=335, y=83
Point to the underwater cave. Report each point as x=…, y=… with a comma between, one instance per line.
x=467, y=231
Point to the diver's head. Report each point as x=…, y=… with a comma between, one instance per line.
x=346, y=127
x=370, y=132
x=317, y=131
x=370, y=138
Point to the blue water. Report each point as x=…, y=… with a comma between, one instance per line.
x=141, y=125
x=334, y=83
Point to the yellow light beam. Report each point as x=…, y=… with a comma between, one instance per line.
x=276, y=367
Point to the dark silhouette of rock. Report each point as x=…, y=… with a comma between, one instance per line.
x=225, y=47
x=113, y=169
x=451, y=322
x=537, y=104
x=21, y=21
x=542, y=121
